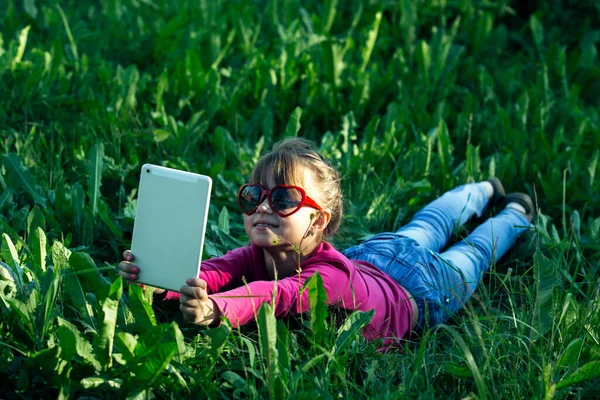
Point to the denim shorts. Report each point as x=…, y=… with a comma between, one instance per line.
x=437, y=286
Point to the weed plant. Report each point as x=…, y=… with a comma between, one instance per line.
x=408, y=98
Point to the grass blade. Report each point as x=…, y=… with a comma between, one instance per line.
x=95, y=165
x=481, y=386
x=371, y=39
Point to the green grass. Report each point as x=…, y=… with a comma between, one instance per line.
x=409, y=98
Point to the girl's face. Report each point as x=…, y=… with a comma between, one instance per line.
x=267, y=230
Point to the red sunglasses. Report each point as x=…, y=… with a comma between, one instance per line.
x=285, y=200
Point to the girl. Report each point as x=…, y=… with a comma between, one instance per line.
x=293, y=201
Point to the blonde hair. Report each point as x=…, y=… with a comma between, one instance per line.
x=287, y=163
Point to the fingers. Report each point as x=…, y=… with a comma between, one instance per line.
x=192, y=293
x=196, y=311
x=128, y=270
x=128, y=276
x=128, y=255
x=197, y=282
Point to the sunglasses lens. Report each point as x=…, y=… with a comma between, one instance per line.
x=286, y=200
x=250, y=197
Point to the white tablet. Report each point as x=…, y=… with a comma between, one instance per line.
x=169, y=226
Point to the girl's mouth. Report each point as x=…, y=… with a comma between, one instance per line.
x=264, y=225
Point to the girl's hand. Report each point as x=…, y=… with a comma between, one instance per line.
x=195, y=305
x=130, y=272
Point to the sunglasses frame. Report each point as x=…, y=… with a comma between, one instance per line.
x=306, y=200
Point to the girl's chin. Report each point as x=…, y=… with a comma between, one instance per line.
x=269, y=241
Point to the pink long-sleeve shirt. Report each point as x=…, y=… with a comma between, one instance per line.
x=351, y=285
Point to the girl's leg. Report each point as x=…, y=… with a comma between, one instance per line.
x=468, y=260
x=433, y=225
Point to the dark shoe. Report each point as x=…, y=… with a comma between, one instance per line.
x=499, y=192
x=524, y=200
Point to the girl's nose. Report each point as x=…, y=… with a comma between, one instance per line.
x=264, y=207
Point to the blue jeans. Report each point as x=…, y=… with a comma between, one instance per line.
x=442, y=282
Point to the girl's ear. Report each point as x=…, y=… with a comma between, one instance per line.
x=321, y=220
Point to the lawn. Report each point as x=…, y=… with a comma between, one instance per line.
x=407, y=98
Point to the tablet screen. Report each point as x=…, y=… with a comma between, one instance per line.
x=170, y=224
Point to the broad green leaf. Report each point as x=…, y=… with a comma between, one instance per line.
x=570, y=356
x=153, y=352
x=38, y=249
x=283, y=350
x=88, y=274
x=350, y=328
x=67, y=342
x=576, y=224
x=141, y=309
x=97, y=381
x=408, y=23
x=22, y=44
x=538, y=33
x=160, y=135
x=47, y=361
x=234, y=379
x=94, y=170
x=330, y=7
x=30, y=8
x=595, y=228
x=546, y=278
x=333, y=60
x=424, y=58
x=83, y=348
x=25, y=310
x=293, y=125
x=224, y=50
x=458, y=370
x=35, y=219
x=317, y=296
x=46, y=315
x=267, y=329
x=7, y=280
x=103, y=342
x=473, y=162
x=126, y=343
x=11, y=257
x=224, y=220
x=587, y=372
x=371, y=39
x=6, y=198
x=348, y=133
x=109, y=220
x=251, y=351
x=132, y=77
x=22, y=177
x=181, y=354
x=60, y=255
x=218, y=339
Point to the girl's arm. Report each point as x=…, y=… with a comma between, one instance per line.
x=219, y=273
x=241, y=305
